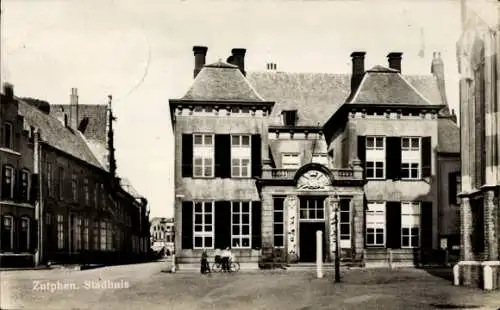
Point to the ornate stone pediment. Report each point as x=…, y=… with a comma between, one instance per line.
x=313, y=180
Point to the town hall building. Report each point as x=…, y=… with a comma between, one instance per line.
x=266, y=159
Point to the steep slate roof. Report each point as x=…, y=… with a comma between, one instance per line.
x=221, y=81
x=96, y=113
x=382, y=85
x=317, y=96
x=56, y=134
x=448, y=136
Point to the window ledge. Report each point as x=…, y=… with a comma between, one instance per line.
x=10, y=151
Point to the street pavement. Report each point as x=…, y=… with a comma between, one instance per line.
x=145, y=286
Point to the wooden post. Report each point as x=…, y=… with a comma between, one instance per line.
x=319, y=254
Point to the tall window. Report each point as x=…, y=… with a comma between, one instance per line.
x=375, y=224
x=96, y=195
x=312, y=208
x=240, y=224
x=410, y=158
x=60, y=179
x=50, y=187
x=74, y=187
x=60, y=231
x=86, y=191
x=410, y=224
x=203, y=155
x=24, y=236
x=86, y=234
x=77, y=230
x=203, y=225
x=320, y=158
x=375, y=157
x=95, y=234
x=25, y=185
x=345, y=223
x=8, y=181
x=109, y=236
x=290, y=161
x=103, y=235
x=8, y=140
x=278, y=222
x=103, y=197
x=241, y=153
x=7, y=233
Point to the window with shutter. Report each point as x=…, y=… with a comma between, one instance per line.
x=256, y=156
x=410, y=224
x=426, y=157
x=375, y=158
x=203, y=155
x=375, y=224
x=222, y=156
x=241, y=153
x=279, y=222
x=187, y=156
x=8, y=182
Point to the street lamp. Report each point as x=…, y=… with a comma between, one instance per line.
x=337, y=241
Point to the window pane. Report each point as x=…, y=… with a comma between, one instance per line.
x=344, y=217
x=245, y=230
x=208, y=228
x=406, y=231
x=245, y=207
x=208, y=242
x=320, y=214
x=198, y=139
x=379, y=173
x=208, y=218
x=208, y=207
x=278, y=228
x=303, y=214
x=198, y=242
x=370, y=142
x=380, y=238
x=370, y=230
x=370, y=164
x=414, y=241
x=208, y=171
x=370, y=173
x=236, y=207
x=406, y=241
x=235, y=140
x=406, y=143
x=245, y=140
x=236, y=218
x=198, y=218
x=370, y=239
x=278, y=217
x=236, y=171
x=379, y=142
x=344, y=229
x=245, y=162
x=278, y=240
x=208, y=140
x=208, y=161
x=197, y=207
x=415, y=143
x=414, y=231
x=245, y=242
x=236, y=243
x=245, y=218
x=244, y=171
x=236, y=230
x=379, y=164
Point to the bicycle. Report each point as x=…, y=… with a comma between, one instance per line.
x=217, y=266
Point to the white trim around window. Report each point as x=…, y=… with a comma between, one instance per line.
x=241, y=224
x=290, y=160
x=8, y=221
x=375, y=157
x=203, y=155
x=241, y=156
x=376, y=224
x=203, y=225
x=25, y=221
x=411, y=156
x=25, y=177
x=410, y=224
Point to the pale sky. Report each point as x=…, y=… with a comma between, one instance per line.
x=109, y=47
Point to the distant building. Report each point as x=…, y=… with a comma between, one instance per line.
x=478, y=53
x=265, y=159
x=48, y=164
x=162, y=233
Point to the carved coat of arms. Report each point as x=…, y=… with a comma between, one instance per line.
x=314, y=180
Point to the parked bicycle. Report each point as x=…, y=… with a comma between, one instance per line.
x=218, y=264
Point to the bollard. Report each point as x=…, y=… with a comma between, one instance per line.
x=390, y=258
x=488, y=277
x=319, y=253
x=173, y=263
x=456, y=275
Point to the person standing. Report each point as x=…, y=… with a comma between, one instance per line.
x=205, y=267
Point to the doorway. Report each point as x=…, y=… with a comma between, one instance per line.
x=307, y=231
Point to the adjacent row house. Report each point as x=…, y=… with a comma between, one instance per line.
x=265, y=159
x=60, y=201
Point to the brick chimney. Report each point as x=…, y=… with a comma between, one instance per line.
x=8, y=91
x=73, y=109
x=200, y=55
x=237, y=58
x=395, y=60
x=358, y=70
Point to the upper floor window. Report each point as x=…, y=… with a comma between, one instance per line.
x=320, y=158
x=375, y=157
x=203, y=155
x=25, y=185
x=290, y=161
x=410, y=158
x=241, y=154
x=8, y=139
x=60, y=180
x=49, y=179
x=86, y=191
x=74, y=187
x=8, y=180
x=289, y=117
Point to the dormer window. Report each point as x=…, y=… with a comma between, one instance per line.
x=289, y=117
x=7, y=135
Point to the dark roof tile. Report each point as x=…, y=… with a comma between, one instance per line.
x=448, y=136
x=96, y=114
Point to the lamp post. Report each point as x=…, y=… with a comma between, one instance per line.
x=337, y=241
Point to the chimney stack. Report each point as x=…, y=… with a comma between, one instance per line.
x=358, y=70
x=395, y=60
x=73, y=109
x=437, y=69
x=200, y=55
x=271, y=66
x=8, y=90
x=238, y=58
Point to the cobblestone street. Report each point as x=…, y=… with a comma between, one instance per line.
x=144, y=286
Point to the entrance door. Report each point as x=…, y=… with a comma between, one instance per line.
x=308, y=240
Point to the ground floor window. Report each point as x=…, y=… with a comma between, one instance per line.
x=345, y=223
x=103, y=235
x=24, y=234
x=375, y=224
x=77, y=230
x=312, y=208
x=109, y=236
x=7, y=233
x=203, y=225
x=240, y=224
x=60, y=231
x=410, y=224
x=86, y=234
x=278, y=220
x=95, y=235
